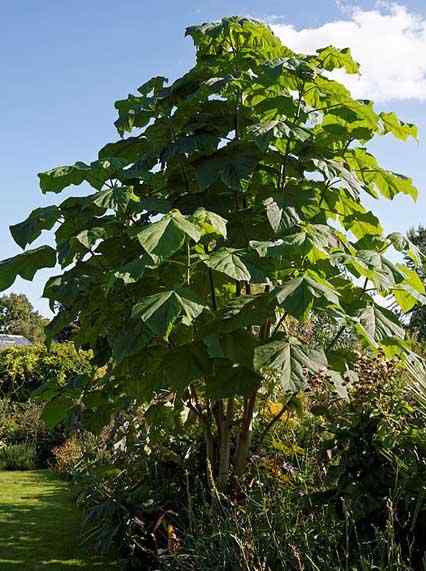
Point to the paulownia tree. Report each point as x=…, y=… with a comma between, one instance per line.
x=235, y=206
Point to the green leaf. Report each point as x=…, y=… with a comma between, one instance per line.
x=229, y=261
x=363, y=224
x=184, y=365
x=291, y=360
x=403, y=244
x=377, y=180
x=314, y=243
x=227, y=165
x=331, y=58
x=128, y=150
x=26, y=265
x=161, y=311
x=236, y=346
x=392, y=124
x=281, y=218
x=30, y=229
x=164, y=238
x=117, y=198
x=56, y=180
x=241, y=312
x=56, y=410
x=209, y=222
x=299, y=295
x=268, y=132
x=409, y=292
x=380, y=323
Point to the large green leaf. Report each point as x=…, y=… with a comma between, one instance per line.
x=380, y=323
x=184, y=365
x=57, y=410
x=299, y=295
x=95, y=174
x=26, y=265
x=164, y=238
x=232, y=380
x=410, y=291
x=403, y=244
x=209, y=222
x=204, y=143
x=378, y=181
x=330, y=58
x=229, y=166
x=282, y=218
x=392, y=124
x=292, y=360
x=161, y=311
x=241, y=312
x=30, y=229
x=229, y=261
x=314, y=243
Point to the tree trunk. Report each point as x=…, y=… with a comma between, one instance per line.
x=244, y=441
x=225, y=446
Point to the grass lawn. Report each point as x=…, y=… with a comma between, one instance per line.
x=39, y=525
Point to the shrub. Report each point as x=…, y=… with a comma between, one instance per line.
x=24, y=369
x=22, y=423
x=67, y=456
x=335, y=484
x=18, y=457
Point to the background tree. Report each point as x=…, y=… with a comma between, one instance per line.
x=418, y=314
x=18, y=317
x=233, y=210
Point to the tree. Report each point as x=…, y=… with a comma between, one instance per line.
x=235, y=205
x=418, y=313
x=18, y=317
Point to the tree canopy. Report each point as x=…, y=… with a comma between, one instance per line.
x=232, y=202
x=18, y=317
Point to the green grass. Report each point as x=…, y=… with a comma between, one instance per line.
x=40, y=526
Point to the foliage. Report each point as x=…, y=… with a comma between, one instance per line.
x=21, y=423
x=235, y=204
x=25, y=369
x=341, y=480
x=418, y=315
x=67, y=456
x=18, y=317
x=18, y=457
x=377, y=448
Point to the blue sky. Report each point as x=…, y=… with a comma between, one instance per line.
x=63, y=64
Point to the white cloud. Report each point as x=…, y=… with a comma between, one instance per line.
x=389, y=42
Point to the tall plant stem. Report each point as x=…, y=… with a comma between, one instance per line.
x=211, y=284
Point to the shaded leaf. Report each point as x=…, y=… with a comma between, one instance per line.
x=26, y=265
x=30, y=229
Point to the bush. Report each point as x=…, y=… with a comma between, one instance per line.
x=21, y=423
x=25, y=369
x=67, y=456
x=335, y=484
x=18, y=457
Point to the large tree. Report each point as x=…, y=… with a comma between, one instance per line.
x=18, y=317
x=233, y=210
